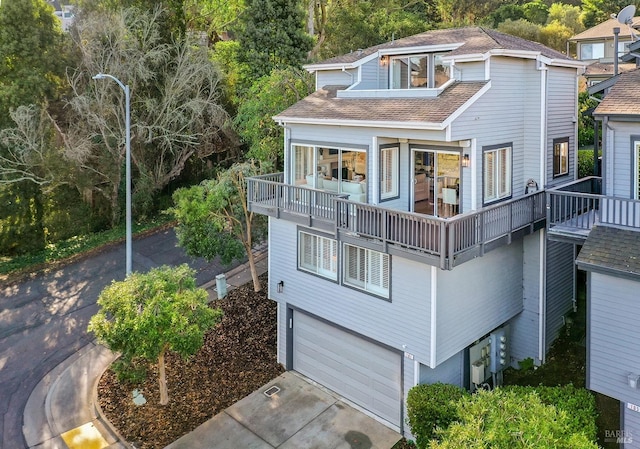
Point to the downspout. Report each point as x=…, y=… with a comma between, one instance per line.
x=434, y=308
x=350, y=75
x=542, y=309
x=606, y=152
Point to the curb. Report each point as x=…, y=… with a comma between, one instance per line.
x=99, y=413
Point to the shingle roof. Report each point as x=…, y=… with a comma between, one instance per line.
x=624, y=96
x=600, y=68
x=473, y=39
x=605, y=30
x=324, y=105
x=612, y=250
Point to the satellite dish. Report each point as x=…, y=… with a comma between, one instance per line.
x=625, y=16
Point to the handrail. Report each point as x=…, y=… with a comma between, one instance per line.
x=438, y=237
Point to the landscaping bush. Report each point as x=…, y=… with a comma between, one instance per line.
x=430, y=406
x=509, y=419
x=578, y=403
x=585, y=163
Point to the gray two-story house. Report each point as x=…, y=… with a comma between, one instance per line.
x=407, y=239
x=602, y=217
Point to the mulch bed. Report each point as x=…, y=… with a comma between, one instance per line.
x=238, y=357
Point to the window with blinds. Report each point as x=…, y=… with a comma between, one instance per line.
x=318, y=255
x=497, y=173
x=560, y=157
x=389, y=174
x=367, y=270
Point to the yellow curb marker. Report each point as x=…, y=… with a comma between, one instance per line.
x=84, y=437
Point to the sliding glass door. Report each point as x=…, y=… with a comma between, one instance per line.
x=436, y=182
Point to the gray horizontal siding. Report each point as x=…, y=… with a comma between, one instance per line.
x=525, y=327
x=620, y=177
x=369, y=75
x=562, y=97
x=614, y=352
x=451, y=371
x=470, y=71
x=402, y=323
x=559, y=288
x=631, y=427
x=335, y=78
x=476, y=297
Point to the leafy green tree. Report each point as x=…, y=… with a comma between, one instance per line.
x=568, y=15
x=502, y=419
x=214, y=218
x=521, y=28
x=267, y=97
x=147, y=315
x=32, y=62
x=586, y=105
x=555, y=35
x=536, y=12
x=598, y=11
x=272, y=35
x=503, y=13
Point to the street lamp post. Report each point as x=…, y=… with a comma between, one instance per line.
x=101, y=76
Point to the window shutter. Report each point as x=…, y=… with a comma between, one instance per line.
x=489, y=175
x=504, y=179
x=388, y=172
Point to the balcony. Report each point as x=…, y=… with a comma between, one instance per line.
x=574, y=208
x=440, y=242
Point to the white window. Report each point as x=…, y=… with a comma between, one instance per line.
x=318, y=255
x=301, y=164
x=592, y=51
x=366, y=269
x=389, y=175
x=560, y=157
x=409, y=72
x=497, y=173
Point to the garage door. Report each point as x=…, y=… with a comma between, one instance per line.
x=357, y=369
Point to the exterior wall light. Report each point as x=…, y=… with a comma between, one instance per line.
x=280, y=286
x=466, y=161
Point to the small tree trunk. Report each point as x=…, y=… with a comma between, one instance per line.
x=254, y=272
x=162, y=380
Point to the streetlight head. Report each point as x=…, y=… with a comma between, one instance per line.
x=99, y=76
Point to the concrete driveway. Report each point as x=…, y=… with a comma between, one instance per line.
x=296, y=415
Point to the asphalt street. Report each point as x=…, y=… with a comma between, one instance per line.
x=44, y=320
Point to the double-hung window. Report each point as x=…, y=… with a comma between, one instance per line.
x=389, y=172
x=318, y=255
x=497, y=173
x=367, y=270
x=560, y=157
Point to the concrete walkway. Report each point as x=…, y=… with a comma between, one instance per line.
x=290, y=413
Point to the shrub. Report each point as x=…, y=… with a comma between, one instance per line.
x=508, y=419
x=578, y=403
x=430, y=406
x=585, y=163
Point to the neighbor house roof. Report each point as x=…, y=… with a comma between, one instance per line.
x=611, y=250
x=602, y=69
x=624, y=96
x=605, y=30
x=323, y=105
x=472, y=40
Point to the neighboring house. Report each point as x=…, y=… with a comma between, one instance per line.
x=603, y=216
x=64, y=13
x=595, y=46
x=408, y=227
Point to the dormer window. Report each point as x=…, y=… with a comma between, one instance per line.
x=418, y=71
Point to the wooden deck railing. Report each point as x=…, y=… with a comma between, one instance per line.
x=442, y=239
x=576, y=207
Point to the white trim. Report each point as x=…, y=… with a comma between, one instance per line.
x=636, y=169
x=395, y=51
x=364, y=123
x=543, y=126
x=474, y=174
x=433, y=324
x=542, y=308
x=375, y=164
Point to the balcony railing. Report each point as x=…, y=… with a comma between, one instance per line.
x=573, y=209
x=444, y=242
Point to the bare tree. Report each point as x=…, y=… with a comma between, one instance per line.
x=175, y=110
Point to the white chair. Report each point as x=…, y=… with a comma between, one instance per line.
x=450, y=201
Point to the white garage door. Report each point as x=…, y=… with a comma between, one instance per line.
x=357, y=369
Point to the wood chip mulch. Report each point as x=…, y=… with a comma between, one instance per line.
x=238, y=357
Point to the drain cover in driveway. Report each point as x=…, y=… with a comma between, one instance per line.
x=271, y=391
